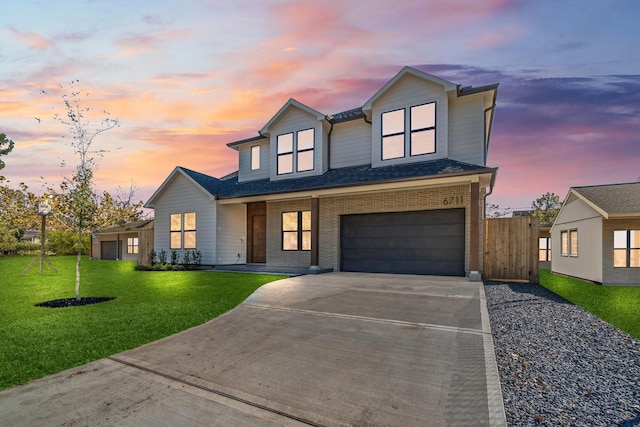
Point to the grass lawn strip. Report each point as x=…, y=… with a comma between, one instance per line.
x=618, y=305
x=38, y=341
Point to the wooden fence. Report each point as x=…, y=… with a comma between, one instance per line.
x=145, y=239
x=511, y=249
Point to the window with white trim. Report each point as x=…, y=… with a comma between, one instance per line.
x=569, y=243
x=626, y=248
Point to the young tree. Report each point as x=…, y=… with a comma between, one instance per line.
x=6, y=145
x=80, y=185
x=546, y=207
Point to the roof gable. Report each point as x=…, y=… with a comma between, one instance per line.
x=447, y=85
x=205, y=183
x=291, y=103
x=614, y=200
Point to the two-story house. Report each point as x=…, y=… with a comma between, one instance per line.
x=394, y=186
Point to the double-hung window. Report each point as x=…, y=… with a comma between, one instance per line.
x=626, y=248
x=420, y=135
x=182, y=231
x=296, y=231
x=296, y=151
x=569, y=243
x=544, y=249
x=132, y=245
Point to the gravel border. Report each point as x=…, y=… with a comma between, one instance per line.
x=560, y=365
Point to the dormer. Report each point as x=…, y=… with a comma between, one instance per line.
x=409, y=117
x=297, y=135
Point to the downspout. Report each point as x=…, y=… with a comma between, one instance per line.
x=329, y=120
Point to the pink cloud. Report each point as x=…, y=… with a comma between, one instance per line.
x=31, y=39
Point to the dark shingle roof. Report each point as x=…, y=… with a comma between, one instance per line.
x=129, y=226
x=334, y=178
x=613, y=198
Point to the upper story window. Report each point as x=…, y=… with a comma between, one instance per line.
x=255, y=157
x=296, y=151
x=421, y=137
x=626, y=248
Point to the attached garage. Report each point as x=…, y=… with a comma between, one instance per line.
x=108, y=250
x=418, y=242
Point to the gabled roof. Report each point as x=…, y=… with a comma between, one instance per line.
x=205, y=183
x=335, y=178
x=447, y=85
x=127, y=227
x=612, y=200
x=291, y=103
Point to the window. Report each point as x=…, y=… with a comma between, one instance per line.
x=573, y=238
x=626, y=248
x=132, y=245
x=302, y=150
x=183, y=231
x=423, y=129
x=296, y=231
x=393, y=134
x=544, y=249
x=305, y=150
x=569, y=243
x=255, y=157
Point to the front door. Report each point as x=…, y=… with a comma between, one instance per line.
x=257, y=232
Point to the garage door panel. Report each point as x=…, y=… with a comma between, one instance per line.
x=422, y=242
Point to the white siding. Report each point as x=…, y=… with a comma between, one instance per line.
x=292, y=121
x=588, y=264
x=466, y=129
x=350, y=144
x=407, y=92
x=244, y=158
x=179, y=196
x=231, y=234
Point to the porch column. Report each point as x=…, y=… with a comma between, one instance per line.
x=474, y=241
x=315, y=232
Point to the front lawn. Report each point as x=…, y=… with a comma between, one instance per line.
x=618, y=305
x=36, y=341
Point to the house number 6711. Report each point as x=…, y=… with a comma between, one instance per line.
x=453, y=200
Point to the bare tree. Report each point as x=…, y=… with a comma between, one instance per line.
x=546, y=207
x=80, y=184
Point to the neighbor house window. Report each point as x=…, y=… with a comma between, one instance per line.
x=423, y=129
x=564, y=243
x=421, y=136
x=132, y=245
x=296, y=231
x=393, y=134
x=296, y=148
x=544, y=249
x=573, y=242
x=255, y=157
x=626, y=248
x=183, y=231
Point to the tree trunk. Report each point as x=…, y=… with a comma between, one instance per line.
x=78, y=265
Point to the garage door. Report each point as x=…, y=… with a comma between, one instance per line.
x=421, y=242
x=108, y=250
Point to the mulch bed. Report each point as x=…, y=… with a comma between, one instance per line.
x=73, y=302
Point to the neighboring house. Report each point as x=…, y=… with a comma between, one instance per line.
x=394, y=186
x=124, y=242
x=30, y=236
x=596, y=235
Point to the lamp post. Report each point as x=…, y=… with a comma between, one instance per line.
x=44, y=209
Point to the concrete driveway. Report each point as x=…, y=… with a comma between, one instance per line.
x=331, y=349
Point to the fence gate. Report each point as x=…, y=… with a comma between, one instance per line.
x=511, y=249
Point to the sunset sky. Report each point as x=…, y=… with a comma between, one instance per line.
x=185, y=77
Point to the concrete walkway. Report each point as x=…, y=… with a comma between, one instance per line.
x=332, y=349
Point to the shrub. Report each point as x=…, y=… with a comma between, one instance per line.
x=66, y=242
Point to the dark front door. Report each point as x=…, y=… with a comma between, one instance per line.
x=259, y=238
x=257, y=232
x=421, y=242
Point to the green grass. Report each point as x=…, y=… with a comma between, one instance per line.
x=618, y=305
x=36, y=341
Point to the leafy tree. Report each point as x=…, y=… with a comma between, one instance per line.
x=79, y=187
x=118, y=209
x=546, y=207
x=17, y=214
x=6, y=145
